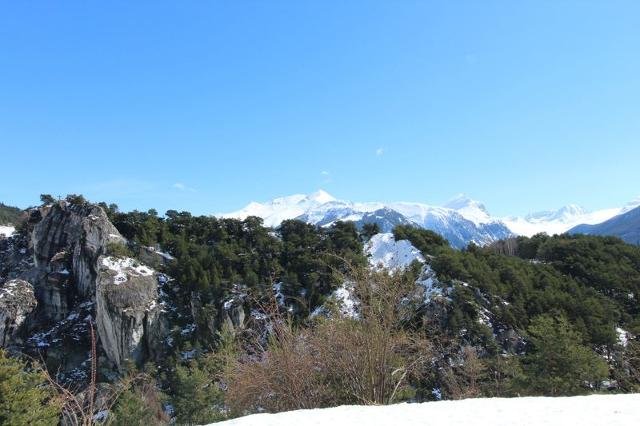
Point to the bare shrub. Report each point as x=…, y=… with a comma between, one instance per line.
x=281, y=375
x=369, y=359
x=463, y=379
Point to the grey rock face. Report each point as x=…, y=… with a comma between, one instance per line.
x=17, y=302
x=62, y=253
x=82, y=232
x=128, y=317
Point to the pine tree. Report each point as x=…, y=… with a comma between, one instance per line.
x=25, y=397
x=131, y=409
x=559, y=364
x=197, y=397
x=369, y=230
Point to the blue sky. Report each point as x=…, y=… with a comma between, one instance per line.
x=207, y=105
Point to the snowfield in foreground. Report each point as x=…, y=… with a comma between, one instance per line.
x=610, y=410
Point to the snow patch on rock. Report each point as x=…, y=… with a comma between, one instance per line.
x=7, y=231
x=125, y=267
x=385, y=252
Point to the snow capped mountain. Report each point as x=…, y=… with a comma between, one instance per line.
x=630, y=205
x=559, y=221
x=471, y=209
x=466, y=221
x=283, y=208
x=625, y=226
x=461, y=220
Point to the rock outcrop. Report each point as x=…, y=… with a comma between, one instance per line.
x=17, y=302
x=212, y=317
x=79, y=233
x=62, y=252
x=128, y=316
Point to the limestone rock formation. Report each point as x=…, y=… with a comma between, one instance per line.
x=62, y=251
x=128, y=316
x=81, y=233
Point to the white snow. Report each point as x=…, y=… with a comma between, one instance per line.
x=596, y=410
x=283, y=208
x=322, y=208
x=559, y=221
x=623, y=336
x=384, y=251
x=470, y=209
x=124, y=267
x=277, y=290
x=344, y=300
x=430, y=282
x=7, y=231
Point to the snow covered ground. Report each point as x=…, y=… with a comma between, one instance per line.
x=383, y=250
x=7, y=230
x=609, y=410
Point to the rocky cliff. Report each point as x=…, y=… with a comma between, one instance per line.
x=128, y=315
x=56, y=278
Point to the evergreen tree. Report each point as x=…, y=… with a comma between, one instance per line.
x=25, y=397
x=369, y=230
x=47, y=199
x=198, y=399
x=131, y=409
x=559, y=364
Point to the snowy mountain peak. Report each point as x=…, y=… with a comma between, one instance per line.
x=565, y=214
x=463, y=222
x=283, y=208
x=321, y=197
x=470, y=209
x=631, y=205
x=461, y=201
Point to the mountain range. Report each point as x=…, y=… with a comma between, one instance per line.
x=625, y=226
x=461, y=220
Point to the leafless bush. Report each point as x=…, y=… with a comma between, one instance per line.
x=79, y=408
x=365, y=360
x=463, y=379
x=281, y=375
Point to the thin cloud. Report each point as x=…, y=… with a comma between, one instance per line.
x=327, y=176
x=379, y=152
x=182, y=187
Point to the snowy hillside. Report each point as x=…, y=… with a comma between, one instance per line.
x=596, y=410
x=383, y=250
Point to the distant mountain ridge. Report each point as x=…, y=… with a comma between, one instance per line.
x=625, y=226
x=461, y=220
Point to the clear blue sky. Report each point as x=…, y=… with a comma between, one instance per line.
x=207, y=105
